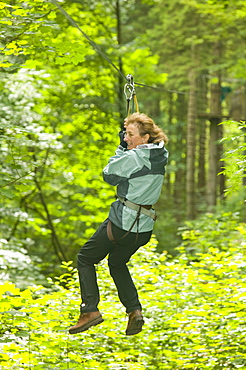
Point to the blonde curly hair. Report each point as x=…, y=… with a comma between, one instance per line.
x=147, y=126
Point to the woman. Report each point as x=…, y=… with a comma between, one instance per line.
x=138, y=171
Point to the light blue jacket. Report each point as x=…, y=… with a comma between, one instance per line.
x=138, y=174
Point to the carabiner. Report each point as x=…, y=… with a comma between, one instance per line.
x=129, y=87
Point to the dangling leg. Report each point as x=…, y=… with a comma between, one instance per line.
x=90, y=254
x=127, y=291
x=88, y=282
x=125, y=286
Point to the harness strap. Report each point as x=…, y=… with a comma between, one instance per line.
x=135, y=103
x=111, y=235
x=145, y=209
x=110, y=232
x=142, y=208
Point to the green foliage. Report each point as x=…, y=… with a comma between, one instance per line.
x=60, y=112
x=59, y=123
x=195, y=316
x=16, y=265
x=218, y=231
x=51, y=170
x=235, y=158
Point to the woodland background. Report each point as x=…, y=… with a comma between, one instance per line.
x=62, y=104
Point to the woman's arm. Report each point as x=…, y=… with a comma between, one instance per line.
x=122, y=165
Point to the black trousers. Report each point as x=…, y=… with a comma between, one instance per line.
x=95, y=250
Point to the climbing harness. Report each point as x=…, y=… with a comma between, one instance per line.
x=139, y=208
x=130, y=94
x=142, y=208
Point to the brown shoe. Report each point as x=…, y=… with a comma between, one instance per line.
x=135, y=322
x=86, y=320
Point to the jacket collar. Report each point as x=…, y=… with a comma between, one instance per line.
x=151, y=145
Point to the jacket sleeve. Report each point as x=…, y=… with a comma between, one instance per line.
x=122, y=165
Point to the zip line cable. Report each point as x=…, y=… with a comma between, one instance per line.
x=161, y=88
x=97, y=48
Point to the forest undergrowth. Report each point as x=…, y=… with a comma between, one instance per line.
x=194, y=309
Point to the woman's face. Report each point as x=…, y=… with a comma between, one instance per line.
x=133, y=138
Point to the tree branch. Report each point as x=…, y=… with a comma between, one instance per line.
x=13, y=181
x=56, y=243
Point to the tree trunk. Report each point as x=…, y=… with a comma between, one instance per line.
x=215, y=119
x=202, y=107
x=179, y=182
x=221, y=164
x=191, y=149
